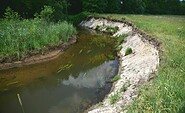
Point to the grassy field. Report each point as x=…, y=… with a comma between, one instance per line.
x=166, y=92
x=19, y=37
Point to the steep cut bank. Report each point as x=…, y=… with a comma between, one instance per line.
x=135, y=69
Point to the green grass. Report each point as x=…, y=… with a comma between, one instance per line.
x=20, y=37
x=166, y=92
x=112, y=30
x=116, y=78
x=121, y=38
x=114, y=98
x=128, y=51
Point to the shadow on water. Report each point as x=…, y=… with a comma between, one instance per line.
x=77, y=79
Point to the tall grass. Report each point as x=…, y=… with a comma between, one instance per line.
x=19, y=37
x=166, y=93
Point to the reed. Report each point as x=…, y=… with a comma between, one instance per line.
x=19, y=37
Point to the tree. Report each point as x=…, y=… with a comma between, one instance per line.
x=113, y=6
x=75, y=6
x=133, y=6
x=98, y=6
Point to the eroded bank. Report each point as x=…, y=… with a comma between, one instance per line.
x=135, y=69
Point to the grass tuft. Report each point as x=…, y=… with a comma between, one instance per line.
x=114, y=98
x=128, y=51
x=116, y=78
x=121, y=38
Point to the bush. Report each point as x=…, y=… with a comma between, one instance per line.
x=46, y=13
x=11, y=14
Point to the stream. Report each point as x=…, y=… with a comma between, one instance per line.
x=71, y=83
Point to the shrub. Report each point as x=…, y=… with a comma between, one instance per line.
x=76, y=19
x=46, y=13
x=11, y=14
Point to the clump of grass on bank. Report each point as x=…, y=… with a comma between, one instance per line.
x=128, y=51
x=121, y=38
x=166, y=93
x=22, y=36
x=114, y=98
x=116, y=78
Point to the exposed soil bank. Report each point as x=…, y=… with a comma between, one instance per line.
x=42, y=56
x=134, y=70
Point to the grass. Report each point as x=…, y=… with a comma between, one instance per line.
x=20, y=37
x=116, y=78
x=114, y=98
x=121, y=38
x=112, y=30
x=128, y=51
x=166, y=92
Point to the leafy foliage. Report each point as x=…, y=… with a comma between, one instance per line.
x=11, y=14
x=46, y=13
x=27, y=8
x=94, y=5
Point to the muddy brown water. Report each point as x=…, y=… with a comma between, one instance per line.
x=71, y=83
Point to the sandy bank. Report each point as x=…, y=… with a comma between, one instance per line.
x=134, y=70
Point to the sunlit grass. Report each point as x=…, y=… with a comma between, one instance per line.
x=19, y=37
x=166, y=93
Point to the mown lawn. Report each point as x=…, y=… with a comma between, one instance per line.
x=166, y=92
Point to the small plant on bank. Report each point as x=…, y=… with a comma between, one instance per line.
x=121, y=38
x=114, y=98
x=112, y=30
x=123, y=88
x=116, y=78
x=97, y=28
x=111, y=57
x=128, y=51
x=119, y=48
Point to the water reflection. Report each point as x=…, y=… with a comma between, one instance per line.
x=93, y=78
x=43, y=90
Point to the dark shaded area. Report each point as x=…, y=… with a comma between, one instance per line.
x=27, y=8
